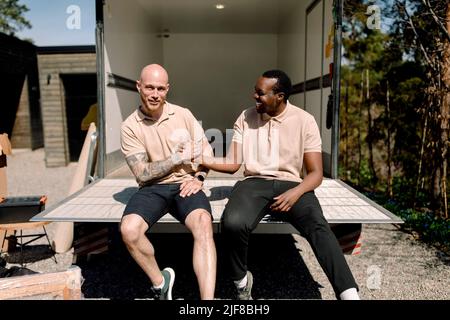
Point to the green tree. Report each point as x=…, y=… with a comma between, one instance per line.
x=11, y=17
x=396, y=99
x=395, y=106
x=424, y=29
x=365, y=54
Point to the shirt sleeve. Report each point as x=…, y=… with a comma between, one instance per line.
x=313, y=142
x=238, y=129
x=130, y=143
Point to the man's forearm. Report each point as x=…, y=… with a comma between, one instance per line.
x=314, y=172
x=310, y=182
x=230, y=164
x=146, y=171
x=220, y=164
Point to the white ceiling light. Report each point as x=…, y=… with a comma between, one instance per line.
x=220, y=6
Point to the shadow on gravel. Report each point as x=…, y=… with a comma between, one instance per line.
x=443, y=257
x=399, y=233
x=31, y=253
x=279, y=270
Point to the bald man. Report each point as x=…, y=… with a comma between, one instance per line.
x=159, y=141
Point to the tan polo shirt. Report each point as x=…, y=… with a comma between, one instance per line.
x=158, y=139
x=273, y=147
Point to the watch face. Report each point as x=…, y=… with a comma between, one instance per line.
x=201, y=178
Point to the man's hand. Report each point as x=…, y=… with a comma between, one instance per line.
x=190, y=150
x=190, y=187
x=313, y=165
x=201, y=158
x=285, y=201
x=186, y=152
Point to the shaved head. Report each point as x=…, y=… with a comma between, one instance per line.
x=153, y=86
x=154, y=72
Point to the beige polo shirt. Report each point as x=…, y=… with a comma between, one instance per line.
x=158, y=139
x=273, y=147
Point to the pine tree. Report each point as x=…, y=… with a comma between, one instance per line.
x=11, y=17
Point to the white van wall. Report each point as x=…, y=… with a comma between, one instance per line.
x=291, y=57
x=132, y=42
x=320, y=31
x=291, y=47
x=214, y=74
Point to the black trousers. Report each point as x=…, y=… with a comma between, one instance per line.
x=250, y=201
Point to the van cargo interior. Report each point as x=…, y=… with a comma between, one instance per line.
x=214, y=57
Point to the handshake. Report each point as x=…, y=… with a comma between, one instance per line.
x=187, y=152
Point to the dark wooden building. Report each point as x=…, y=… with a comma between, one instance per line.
x=68, y=84
x=20, y=113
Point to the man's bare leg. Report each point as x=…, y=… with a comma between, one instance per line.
x=133, y=229
x=204, y=253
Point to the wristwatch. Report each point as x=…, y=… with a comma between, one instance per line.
x=200, y=177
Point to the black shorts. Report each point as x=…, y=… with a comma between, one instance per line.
x=154, y=201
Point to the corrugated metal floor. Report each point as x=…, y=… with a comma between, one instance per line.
x=105, y=200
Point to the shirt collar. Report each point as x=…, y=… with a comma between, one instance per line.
x=279, y=118
x=167, y=111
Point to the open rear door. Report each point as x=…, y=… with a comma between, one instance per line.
x=319, y=58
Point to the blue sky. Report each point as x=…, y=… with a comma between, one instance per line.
x=53, y=26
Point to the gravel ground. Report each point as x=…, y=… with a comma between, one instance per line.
x=393, y=265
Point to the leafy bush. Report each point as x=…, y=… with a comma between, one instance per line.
x=432, y=229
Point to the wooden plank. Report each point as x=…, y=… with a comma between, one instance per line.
x=65, y=285
x=23, y=225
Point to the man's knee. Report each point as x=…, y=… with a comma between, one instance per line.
x=232, y=222
x=311, y=220
x=200, y=223
x=132, y=228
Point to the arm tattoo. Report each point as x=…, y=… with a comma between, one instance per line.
x=146, y=171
